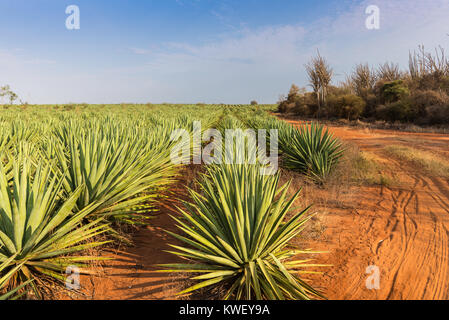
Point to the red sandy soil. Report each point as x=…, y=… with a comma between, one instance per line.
x=131, y=272
x=402, y=230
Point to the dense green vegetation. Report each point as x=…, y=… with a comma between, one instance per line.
x=419, y=95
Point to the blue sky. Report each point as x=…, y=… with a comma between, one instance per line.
x=189, y=51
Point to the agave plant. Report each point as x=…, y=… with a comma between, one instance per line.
x=4, y=279
x=122, y=173
x=39, y=230
x=237, y=233
x=311, y=150
x=230, y=122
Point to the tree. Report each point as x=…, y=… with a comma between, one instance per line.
x=293, y=94
x=389, y=72
x=363, y=78
x=320, y=76
x=6, y=91
x=424, y=63
x=394, y=91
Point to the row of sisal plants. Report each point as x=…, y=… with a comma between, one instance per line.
x=68, y=179
x=237, y=229
x=70, y=176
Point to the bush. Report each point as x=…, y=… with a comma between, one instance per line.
x=339, y=91
x=424, y=100
x=295, y=100
x=301, y=109
x=432, y=81
x=438, y=114
x=371, y=104
x=394, y=91
x=427, y=98
x=306, y=105
x=286, y=107
x=348, y=106
x=396, y=111
x=254, y=103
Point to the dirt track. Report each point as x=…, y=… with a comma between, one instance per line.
x=402, y=230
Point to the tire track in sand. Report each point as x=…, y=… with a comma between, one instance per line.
x=402, y=230
x=414, y=256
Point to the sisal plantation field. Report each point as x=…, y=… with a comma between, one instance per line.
x=78, y=179
x=94, y=205
x=232, y=157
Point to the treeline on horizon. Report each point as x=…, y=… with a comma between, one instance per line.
x=419, y=95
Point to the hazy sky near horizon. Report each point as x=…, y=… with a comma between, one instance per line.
x=189, y=51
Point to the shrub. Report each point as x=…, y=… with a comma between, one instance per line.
x=424, y=101
x=426, y=98
x=301, y=109
x=342, y=90
x=254, y=103
x=394, y=91
x=371, y=104
x=237, y=234
x=438, y=114
x=396, y=111
x=434, y=81
x=422, y=106
x=295, y=97
x=286, y=107
x=389, y=72
x=306, y=105
x=363, y=79
x=294, y=93
x=350, y=106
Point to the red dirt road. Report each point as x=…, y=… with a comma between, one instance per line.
x=404, y=231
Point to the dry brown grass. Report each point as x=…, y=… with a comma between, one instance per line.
x=340, y=193
x=367, y=169
x=429, y=161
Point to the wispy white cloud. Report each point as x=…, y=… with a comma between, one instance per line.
x=262, y=63
x=139, y=51
x=37, y=61
x=244, y=64
x=187, y=2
